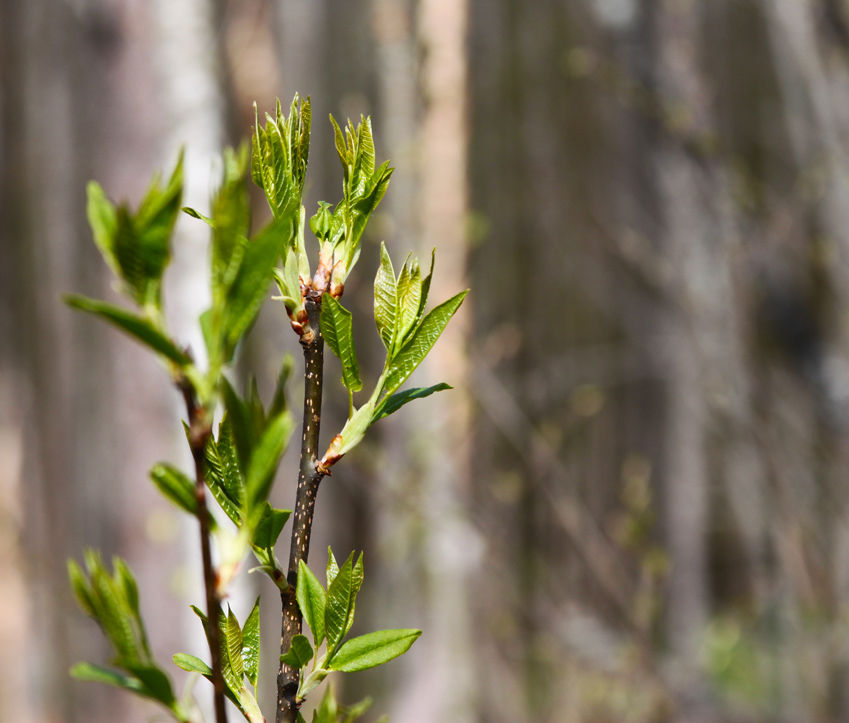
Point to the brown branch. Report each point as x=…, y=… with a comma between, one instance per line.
x=200, y=431
x=309, y=477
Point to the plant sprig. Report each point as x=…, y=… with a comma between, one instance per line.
x=237, y=461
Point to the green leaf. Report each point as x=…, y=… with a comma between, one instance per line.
x=250, y=285
x=189, y=211
x=405, y=362
x=217, y=471
x=191, y=664
x=270, y=526
x=312, y=600
x=280, y=155
x=368, y=651
x=336, y=328
x=178, y=488
x=136, y=326
x=103, y=221
x=394, y=402
x=130, y=589
x=385, y=298
x=356, y=584
x=409, y=290
x=278, y=402
x=239, y=424
x=156, y=682
x=327, y=709
x=351, y=713
x=341, y=148
x=137, y=246
x=332, y=567
x=299, y=654
x=426, y=286
x=97, y=674
x=250, y=645
x=233, y=637
x=81, y=589
x=232, y=219
x=265, y=458
x=114, y=612
x=232, y=668
x=351, y=435
x=340, y=603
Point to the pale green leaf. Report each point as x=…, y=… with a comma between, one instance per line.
x=250, y=644
x=340, y=602
x=352, y=433
x=332, y=567
x=408, y=358
x=356, y=584
x=409, y=295
x=337, y=330
x=104, y=223
x=385, y=298
x=191, y=664
x=312, y=600
x=233, y=637
x=81, y=589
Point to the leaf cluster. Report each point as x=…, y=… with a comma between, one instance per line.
x=112, y=600
x=238, y=461
x=241, y=464
x=329, y=613
x=239, y=655
x=407, y=333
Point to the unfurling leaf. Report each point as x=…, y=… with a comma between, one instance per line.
x=250, y=644
x=233, y=646
x=312, y=600
x=336, y=328
x=385, y=298
x=341, y=597
x=408, y=358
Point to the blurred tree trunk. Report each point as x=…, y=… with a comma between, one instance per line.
x=80, y=101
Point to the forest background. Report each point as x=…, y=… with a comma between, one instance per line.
x=633, y=506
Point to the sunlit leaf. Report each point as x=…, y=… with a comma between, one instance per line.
x=385, y=298
x=337, y=330
x=372, y=649
x=408, y=358
x=394, y=402
x=250, y=644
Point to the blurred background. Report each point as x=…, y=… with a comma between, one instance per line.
x=633, y=506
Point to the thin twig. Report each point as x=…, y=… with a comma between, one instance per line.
x=199, y=432
x=309, y=477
